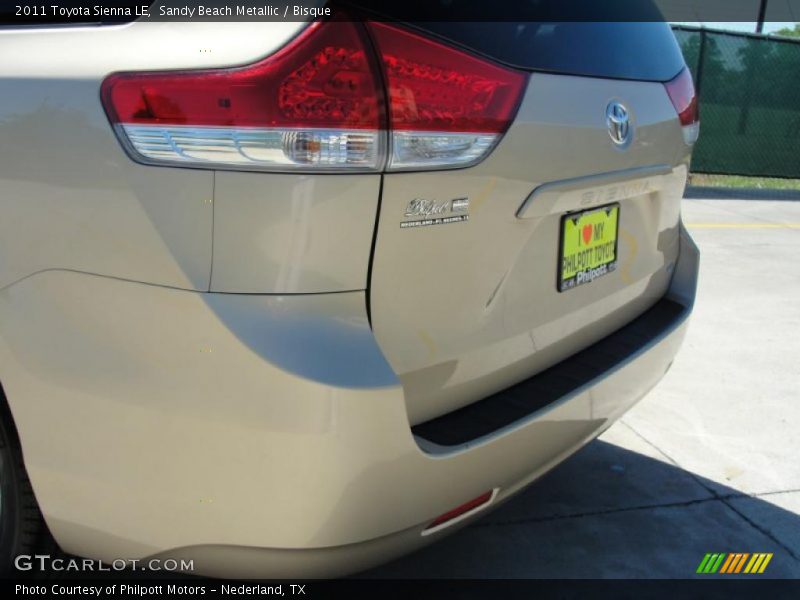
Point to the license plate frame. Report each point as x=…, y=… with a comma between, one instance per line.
x=597, y=264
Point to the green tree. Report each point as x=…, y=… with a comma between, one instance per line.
x=757, y=57
x=789, y=31
x=716, y=76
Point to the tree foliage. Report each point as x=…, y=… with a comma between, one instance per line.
x=789, y=31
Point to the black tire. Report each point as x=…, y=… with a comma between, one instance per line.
x=21, y=523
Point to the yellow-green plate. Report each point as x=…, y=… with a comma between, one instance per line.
x=588, y=248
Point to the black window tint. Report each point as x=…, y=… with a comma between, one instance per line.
x=643, y=51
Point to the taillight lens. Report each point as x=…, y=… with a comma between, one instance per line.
x=446, y=107
x=320, y=104
x=684, y=99
x=314, y=104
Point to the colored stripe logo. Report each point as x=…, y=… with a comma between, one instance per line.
x=731, y=563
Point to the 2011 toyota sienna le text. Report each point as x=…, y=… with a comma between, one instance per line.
x=291, y=299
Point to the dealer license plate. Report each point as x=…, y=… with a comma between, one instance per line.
x=588, y=246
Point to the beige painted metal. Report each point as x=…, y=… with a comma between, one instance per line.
x=268, y=433
x=293, y=233
x=71, y=198
x=154, y=419
x=466, y=309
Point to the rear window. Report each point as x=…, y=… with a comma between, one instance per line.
x=642, y=51
x=623, y=39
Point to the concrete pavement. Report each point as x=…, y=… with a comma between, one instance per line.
x=708, y=462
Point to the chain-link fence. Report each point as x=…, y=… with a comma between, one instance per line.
x=749, y=90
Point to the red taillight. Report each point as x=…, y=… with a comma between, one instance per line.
x=463, y=510
x=433, y=87
x=321, y=79
x=319, y=103
x=446, y=107
x=684, y=99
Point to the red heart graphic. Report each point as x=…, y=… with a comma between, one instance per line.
x=587, y=234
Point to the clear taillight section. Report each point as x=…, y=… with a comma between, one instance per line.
x=315, y=104
x=446, y=107
x=682, y=93
x=321, y=103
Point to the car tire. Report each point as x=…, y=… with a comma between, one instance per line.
x=21, y=523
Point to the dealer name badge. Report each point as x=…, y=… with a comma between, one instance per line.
x=424, y=212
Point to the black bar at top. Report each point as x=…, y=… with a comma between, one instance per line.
x=66, y=12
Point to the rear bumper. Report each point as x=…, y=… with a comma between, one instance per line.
x=259, y=436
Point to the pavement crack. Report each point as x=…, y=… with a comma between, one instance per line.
x=594, y=513
x=610, y=511
x=759, y=494
x=724, y=498
x=764, y=531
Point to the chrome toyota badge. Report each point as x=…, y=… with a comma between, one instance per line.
x=618, y=122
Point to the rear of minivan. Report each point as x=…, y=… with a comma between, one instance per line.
x=314, y=309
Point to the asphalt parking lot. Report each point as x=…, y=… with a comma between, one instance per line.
x=708, y=462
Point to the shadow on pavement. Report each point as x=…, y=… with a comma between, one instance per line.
x=607, y=512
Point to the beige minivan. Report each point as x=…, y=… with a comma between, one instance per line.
x=289, y=299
